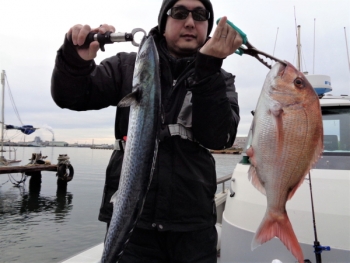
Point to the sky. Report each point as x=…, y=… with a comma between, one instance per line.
x=32, y=32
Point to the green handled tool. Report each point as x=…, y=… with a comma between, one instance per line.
x=249, y=49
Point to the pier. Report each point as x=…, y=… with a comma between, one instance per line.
x=102, y=147
x=64, y=171
x=228, y=151
x=28, y=168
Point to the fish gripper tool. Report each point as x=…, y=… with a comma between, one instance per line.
x=249, y=49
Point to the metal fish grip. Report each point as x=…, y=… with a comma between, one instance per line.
x=249, y=49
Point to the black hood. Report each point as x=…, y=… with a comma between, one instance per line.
x=167, y=4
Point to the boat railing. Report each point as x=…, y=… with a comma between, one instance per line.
x=222, y=181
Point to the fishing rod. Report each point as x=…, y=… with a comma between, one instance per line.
x=317, y=245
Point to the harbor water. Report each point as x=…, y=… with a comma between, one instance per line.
x=51, y=226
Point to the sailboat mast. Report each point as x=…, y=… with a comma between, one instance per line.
x=2, y=110
x=299, y=49
x=347, y=49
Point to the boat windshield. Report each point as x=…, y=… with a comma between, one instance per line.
x=336, y=129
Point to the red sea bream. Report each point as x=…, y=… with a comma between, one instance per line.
x=287, y=140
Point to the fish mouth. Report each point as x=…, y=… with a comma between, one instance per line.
x=282, y=69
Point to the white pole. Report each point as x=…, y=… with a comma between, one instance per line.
x=298, y=47
x=313, y=66
x=275, y=43
x=2, y=110
x=347, y=49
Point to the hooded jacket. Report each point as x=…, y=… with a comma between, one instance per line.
x=196, y=93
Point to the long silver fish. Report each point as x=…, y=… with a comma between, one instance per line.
x=287, y=140
x=140, y=150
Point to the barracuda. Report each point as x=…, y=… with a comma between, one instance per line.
x=287, y=140
x=140, y=150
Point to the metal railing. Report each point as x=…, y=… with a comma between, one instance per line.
x=222, y=181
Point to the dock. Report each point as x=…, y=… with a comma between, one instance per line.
x=108, y=147
x=228, y=151
x=64, y=171
x=28, y=168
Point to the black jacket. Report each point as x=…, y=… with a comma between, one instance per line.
x=181, y=195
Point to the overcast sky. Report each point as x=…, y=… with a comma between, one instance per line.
x=32, y=31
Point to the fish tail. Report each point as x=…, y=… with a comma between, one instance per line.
x=278, y=225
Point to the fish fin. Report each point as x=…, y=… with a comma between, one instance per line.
x=278, y=225
x=253, y=177
x=277, y=114
x=114, y=197
x=131, y=98
x=250, y=153
x=276, y=109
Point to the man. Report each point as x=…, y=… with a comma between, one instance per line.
x=199, y=99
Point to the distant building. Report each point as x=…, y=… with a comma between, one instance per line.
x=240, y=142
x=57, y=143
x=36, y=143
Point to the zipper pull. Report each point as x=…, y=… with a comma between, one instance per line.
x=174, y=82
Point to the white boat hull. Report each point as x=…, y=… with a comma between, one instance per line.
x=91, y=255
x=244, y=212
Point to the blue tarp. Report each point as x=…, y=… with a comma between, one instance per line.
x=26, y=129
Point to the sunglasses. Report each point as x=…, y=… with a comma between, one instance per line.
x=181, y=13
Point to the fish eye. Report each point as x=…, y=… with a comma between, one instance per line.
x=299, y=83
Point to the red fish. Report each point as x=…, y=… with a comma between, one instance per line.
x=287, y=140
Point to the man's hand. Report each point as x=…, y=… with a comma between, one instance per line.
x=224, y=42
x=78, y=34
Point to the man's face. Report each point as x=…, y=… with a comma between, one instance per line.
x=185, y=36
